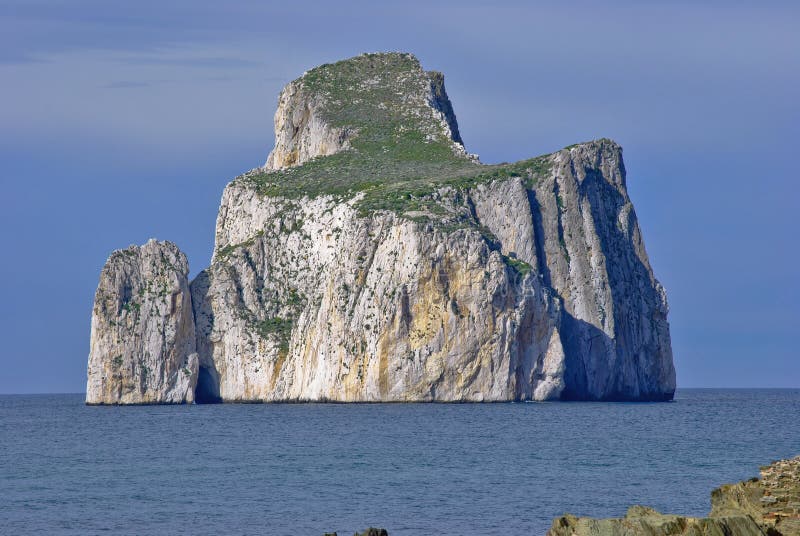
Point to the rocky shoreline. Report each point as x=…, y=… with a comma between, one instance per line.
x=769, y=505
x=765, y=506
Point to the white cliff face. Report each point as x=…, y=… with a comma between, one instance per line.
x=321, y=304
x=373, y=259
x=309, y=300
x=301, y=133
x=142, y=339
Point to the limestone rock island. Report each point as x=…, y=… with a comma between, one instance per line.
x=143, y=339
x=372, y=258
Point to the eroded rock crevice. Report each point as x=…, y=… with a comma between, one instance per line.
x=207, y=390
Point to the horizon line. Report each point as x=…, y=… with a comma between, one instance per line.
x=676, y=390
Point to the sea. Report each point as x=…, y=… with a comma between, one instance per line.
x=414, y=469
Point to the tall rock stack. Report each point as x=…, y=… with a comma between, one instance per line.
x=142, y=348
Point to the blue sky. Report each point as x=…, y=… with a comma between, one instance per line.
x=123, y=121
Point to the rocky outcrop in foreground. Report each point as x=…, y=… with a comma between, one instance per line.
x=369, y=532
x=142, y=348
x=765, y=506
x=641, y=521
x=373, y=259
x=769, y=505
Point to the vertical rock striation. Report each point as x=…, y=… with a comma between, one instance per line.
x=142, y=338
x=614, y=322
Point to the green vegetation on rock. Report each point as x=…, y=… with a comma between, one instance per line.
x=400, y=152
x=281, y=328
x=519, y=266
x=230, y=248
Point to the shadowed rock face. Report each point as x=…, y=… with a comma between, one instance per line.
x=769, y=505
x=143, y=340
x=614, y=323
x=374, y=259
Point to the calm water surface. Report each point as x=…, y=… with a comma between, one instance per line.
x=415, y=469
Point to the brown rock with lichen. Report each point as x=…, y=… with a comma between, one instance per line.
x=773, y=499
x=769, y=505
